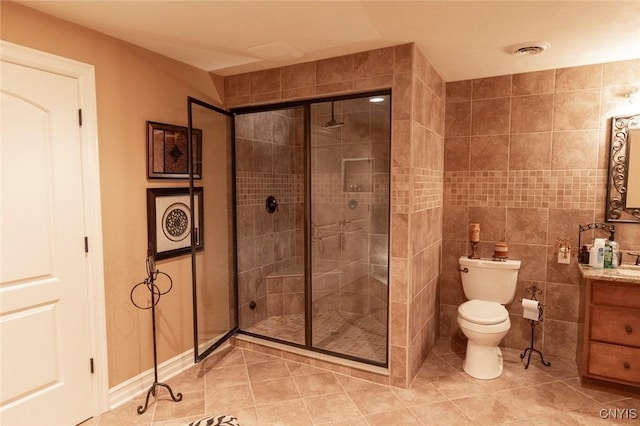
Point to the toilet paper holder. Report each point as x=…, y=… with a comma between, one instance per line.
x=534, y=290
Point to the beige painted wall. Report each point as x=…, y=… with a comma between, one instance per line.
x=133, y=85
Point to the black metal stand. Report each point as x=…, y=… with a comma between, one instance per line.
x=149, y=282
x=534, y=290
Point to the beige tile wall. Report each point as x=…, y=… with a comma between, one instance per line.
x=526, y=157
x=424, y=236
x=266, y=144
x=339, y=245
x=417, y=146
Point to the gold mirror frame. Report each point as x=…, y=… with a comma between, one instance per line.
x=617, y=209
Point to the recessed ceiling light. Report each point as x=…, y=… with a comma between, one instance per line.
x=376, y=99
x=529, y=48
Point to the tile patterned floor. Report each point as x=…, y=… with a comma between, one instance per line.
x=263, y=390
x=352, y=334
x=289, y=328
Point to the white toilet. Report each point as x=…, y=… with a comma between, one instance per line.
x=483, y=319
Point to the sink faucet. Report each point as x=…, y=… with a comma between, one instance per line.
x=637, y=255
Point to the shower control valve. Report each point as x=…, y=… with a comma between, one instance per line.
x=271, y=204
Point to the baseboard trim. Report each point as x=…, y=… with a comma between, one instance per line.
x=137, y=385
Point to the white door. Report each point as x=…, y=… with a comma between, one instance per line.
x=44, y=319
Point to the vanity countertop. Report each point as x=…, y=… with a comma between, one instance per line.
x=606, y=274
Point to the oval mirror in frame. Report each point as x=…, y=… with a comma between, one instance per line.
x=623, y=189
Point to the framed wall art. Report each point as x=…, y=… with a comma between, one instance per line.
x=169, y=224
x=167, y=151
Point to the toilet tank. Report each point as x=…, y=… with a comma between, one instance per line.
x=494, y=281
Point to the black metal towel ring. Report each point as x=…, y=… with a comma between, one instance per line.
x=149, y=282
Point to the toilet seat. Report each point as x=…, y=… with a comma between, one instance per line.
x=483, y=329
x=483, y=312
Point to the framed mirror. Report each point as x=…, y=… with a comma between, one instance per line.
x=623, y=189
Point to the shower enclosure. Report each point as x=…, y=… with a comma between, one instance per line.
x=312, y=224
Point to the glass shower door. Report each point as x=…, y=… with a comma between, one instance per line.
x=349, y=230
x=213, y=244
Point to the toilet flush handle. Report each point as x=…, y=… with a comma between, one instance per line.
x=465, y=270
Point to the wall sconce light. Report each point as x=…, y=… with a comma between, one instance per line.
x=633, y=95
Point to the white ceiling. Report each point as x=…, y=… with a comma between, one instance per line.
x=461, y=39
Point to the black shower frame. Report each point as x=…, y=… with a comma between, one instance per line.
x=197, y=355
x=308, y=326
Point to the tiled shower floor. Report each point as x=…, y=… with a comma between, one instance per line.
x=342, y=332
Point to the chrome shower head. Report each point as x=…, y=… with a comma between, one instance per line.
x=332, y=124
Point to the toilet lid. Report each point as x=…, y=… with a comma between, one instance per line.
x=483, y=312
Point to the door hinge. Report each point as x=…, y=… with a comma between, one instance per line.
x=80, y=117
x=86, y=244
x=91, y=364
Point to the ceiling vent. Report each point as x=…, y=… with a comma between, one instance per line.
x=528, y=49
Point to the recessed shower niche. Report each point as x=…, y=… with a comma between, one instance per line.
x=314, y=274
x=357, y=175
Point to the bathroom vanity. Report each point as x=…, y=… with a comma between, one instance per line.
x=609, y=342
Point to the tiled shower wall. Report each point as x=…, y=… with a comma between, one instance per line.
x=266, y=145
x=526, y=157
x=350, y=225
x=417, y=195
x=417, y=129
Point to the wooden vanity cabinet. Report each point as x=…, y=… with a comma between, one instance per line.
x=611, y=338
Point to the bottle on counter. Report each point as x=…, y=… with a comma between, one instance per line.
x=616, y=254
x=596, y=254
x=608, y=255
x=583, y=255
